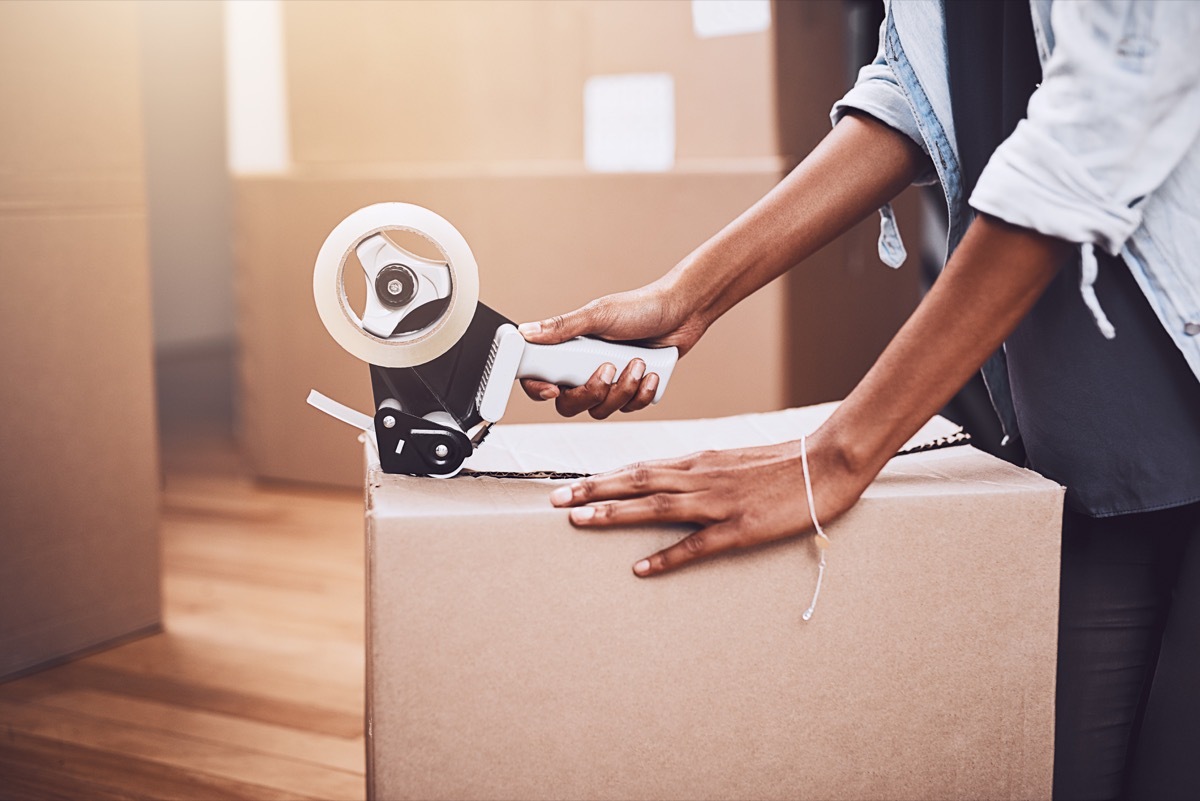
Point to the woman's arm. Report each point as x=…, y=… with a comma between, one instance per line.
x=861, y=165
x=745, y=497
x=858, y=167
x=992, y=281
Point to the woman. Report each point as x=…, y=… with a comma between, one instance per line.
x=1066, y=137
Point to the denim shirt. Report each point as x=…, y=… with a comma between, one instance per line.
x=1108, y=155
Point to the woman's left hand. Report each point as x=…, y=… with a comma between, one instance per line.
x=739, y=498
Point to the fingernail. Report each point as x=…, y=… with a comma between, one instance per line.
x=548, y=393
x=642, y=567
x=652, y=382
x=582, y=514
x=638, y=369
x=530, y=328
x=608, y=374
x=560, y=496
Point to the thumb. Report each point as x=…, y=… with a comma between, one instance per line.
x=560, y=328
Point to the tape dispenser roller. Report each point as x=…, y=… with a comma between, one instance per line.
x=442, y=364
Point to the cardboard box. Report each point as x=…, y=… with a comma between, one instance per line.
x=545, y=244
x=513, y=656
x=79, y=478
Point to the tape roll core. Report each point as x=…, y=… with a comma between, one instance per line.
x=346, y=327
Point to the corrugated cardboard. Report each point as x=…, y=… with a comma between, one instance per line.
x=513, y=656
x=545, y=245
x=79, y=477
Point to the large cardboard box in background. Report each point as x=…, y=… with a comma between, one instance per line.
x=79, y=476
x=476, y=110
x=511, y=655
x=485, y=82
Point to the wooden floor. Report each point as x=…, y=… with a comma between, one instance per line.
x=254, y=690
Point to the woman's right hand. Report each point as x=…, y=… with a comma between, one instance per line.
x=653, y=316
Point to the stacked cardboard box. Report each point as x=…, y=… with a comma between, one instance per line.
x=477, y=110
x=79, y=478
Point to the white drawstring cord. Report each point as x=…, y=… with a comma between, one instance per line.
x=822, y=540
x=1088, y=272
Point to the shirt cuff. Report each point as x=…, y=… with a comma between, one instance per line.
x=1034, y=182
x=883, y=100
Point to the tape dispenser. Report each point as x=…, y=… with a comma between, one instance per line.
x=442, y=364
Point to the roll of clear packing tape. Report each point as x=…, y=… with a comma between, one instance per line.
x=345, y=326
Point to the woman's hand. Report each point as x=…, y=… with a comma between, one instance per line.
x=739, y=498
x=657, y=315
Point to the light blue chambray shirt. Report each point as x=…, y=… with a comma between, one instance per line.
x=1108, y=156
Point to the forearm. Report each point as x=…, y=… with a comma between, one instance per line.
x=993, y=280
x=861, y=165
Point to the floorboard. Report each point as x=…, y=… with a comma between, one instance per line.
x=254, y=690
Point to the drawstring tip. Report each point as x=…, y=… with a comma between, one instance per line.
x=812, y=607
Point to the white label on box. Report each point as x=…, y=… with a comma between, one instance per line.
x=730, y=17
x=629, y=123
x=256, y=95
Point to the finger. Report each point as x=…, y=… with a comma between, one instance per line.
x=539, y=390
x=589, y=319
x=644, y=396
x=661, y=507
x=698, y=545
x=621, y=392
x=630, y=482
x=677, y=463
x=571, y=402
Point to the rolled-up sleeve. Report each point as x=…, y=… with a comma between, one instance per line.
x=877, y=93
x=1118, y=109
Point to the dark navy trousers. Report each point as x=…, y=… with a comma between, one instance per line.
x=1128, y=709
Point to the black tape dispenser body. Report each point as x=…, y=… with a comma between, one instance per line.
x=442, y=364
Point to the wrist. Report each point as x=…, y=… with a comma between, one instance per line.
x=700, y=282
x=836, y=475
x=848, y=452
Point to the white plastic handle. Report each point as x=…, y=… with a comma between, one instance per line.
x=573, y=362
